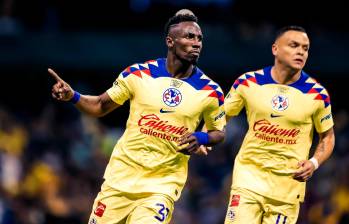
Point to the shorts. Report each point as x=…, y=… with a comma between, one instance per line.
x=115, y=207
x=246, y=206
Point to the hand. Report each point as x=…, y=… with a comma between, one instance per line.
x=192, y=146
x=305, y=170
x=61, y=90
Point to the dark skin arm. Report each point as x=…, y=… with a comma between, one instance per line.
x=203, y=149
x=101, y=105
x=96, y=106
x=322, y=153
x=193, y=146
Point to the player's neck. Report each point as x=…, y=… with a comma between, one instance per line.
x=283, y=75
x=178, y=69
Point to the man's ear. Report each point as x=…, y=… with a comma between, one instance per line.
x=169, y=42
x=274, y=49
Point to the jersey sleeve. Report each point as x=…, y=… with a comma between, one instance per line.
x=121, y=89
x=214, y=115
x=322, y=118
x=233, y=102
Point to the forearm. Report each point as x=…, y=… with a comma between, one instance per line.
x=96, y=106
x=325, y=147
x=215, y=137
x=90, y=105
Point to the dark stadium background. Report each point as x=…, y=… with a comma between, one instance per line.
x=52, y=158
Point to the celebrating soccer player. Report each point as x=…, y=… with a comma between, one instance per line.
x=168, y=98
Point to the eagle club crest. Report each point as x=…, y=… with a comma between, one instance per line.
x=279, y=102
x=172, y=97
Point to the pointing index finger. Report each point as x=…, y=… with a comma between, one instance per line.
x=54, y=75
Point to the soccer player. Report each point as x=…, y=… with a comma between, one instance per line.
x=168, y=99
x=283, y=106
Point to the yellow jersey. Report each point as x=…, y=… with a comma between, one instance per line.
x=281, y=120
x=162, y=109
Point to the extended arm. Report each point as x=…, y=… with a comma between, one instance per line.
x=93, y=105
x=96, y=106
x=322, y=153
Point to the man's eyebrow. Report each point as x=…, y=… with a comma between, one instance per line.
x=299, y=43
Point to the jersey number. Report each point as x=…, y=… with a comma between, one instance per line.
x=163, y=212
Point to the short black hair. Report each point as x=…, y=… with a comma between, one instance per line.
x=284, y=29
x=178, y=19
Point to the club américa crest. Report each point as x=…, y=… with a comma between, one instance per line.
x=279, y=102
x=172, y=97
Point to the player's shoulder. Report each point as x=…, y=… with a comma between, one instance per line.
x=312, y=80
x=147, y=63
x=202, y=75
x=252, y=73
x=307, y=84
x=248, y=77
x=205, y=85
x=147, y=68
x=202, y=81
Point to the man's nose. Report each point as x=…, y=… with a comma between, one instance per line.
x=197, y=43
x=300, y=51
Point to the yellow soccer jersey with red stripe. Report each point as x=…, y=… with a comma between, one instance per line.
x=281, y=121
x=162, y=109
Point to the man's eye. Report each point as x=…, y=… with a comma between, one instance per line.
x=191, y=36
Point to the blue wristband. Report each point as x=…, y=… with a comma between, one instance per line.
x=202, y=137
x=76, y=97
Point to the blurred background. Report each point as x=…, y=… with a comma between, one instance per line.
x=52, y=158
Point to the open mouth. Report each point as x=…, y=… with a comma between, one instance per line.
x=298, y=60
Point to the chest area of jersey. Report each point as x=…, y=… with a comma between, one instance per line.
x=170, y=96
x=277, y=101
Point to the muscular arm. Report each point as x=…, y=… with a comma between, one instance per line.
x=193, y=145
x=96, y=106
x=322, y=153
x=325, y=146
x=215, y=137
